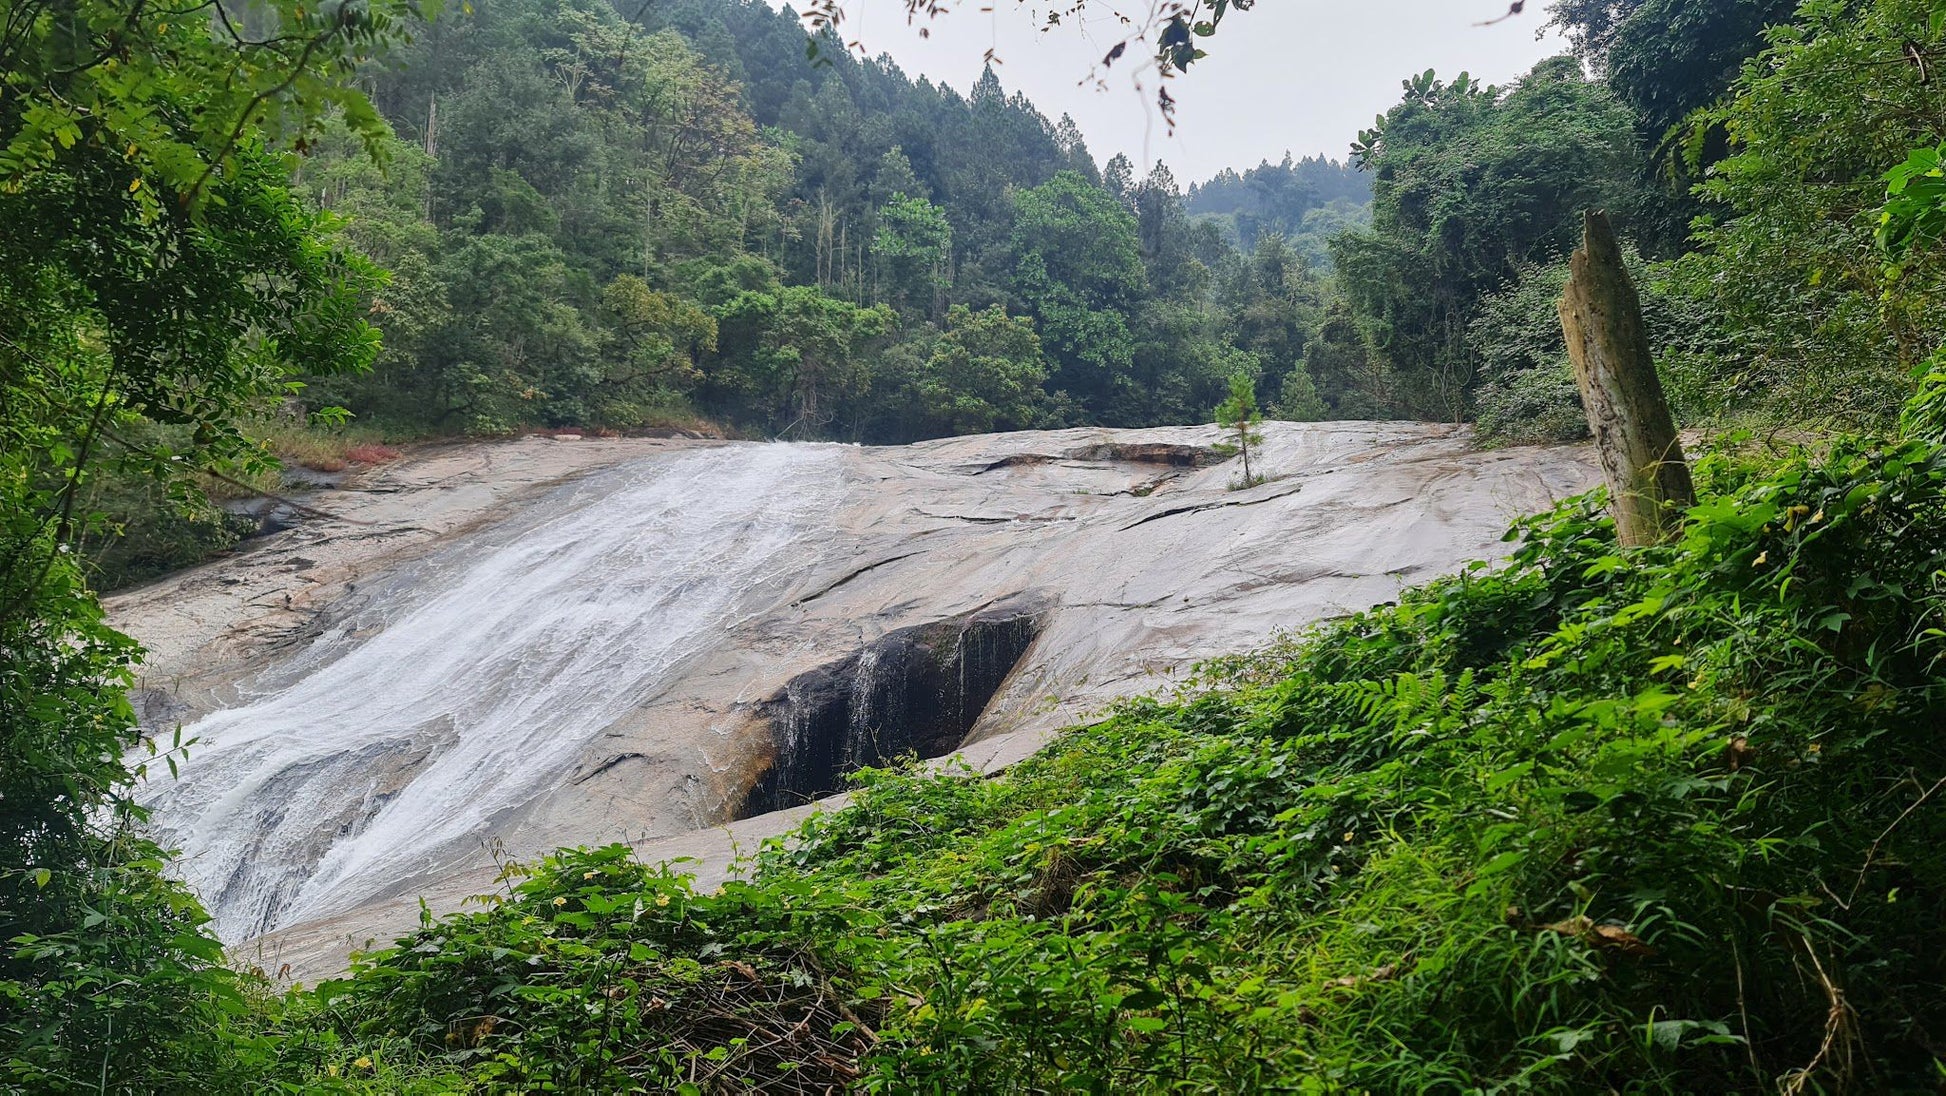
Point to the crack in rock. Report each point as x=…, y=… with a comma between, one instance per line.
x=1195, y=508
x=867, y=569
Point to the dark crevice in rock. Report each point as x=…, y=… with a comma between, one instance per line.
x=918, y=690
x=1199, y=507
x=613, y=761
x=970, y=519
x=1124, y=452
x=1176, y=456
x=868, y=568
x=1014, y=460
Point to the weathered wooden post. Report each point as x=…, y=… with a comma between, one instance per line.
x=1648, y=479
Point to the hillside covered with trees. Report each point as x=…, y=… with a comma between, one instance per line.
x=602, y=223
x=1651, y=819
x=1308, y=201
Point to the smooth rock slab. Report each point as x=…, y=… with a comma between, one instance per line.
x=537, y=645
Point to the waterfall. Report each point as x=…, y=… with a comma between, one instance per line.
x=911, y=691
x=470, y=683
x=867, y=686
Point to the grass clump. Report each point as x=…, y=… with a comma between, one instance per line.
x=1655, y=821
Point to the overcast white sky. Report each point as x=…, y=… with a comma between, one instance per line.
x=1302, y=75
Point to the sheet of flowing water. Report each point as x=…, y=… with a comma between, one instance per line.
x=486, y=674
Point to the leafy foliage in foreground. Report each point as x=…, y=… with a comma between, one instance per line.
x=159, y=284
x=1590, y=822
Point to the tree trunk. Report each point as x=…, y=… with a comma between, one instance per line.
x=1648, y=480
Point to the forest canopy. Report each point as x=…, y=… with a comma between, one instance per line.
x=600, y=223
x=589, y=217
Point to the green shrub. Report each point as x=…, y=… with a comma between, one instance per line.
x=1527, y=394
x=121, y=990
x=1531, y=407
x=108, y=980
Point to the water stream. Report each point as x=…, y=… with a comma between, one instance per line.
x=468, y=684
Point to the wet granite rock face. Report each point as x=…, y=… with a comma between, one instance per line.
x=916, y=691
x=636, y=640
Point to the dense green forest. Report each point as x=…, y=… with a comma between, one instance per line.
x=1307, y=201
x=1651, y=820
x=595, y=222
x=599, y=223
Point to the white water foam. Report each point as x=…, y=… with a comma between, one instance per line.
x=400, y=734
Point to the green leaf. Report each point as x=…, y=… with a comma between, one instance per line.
x=1508, y=775
x=1501, y=863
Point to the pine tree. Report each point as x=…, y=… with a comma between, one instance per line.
x=1240, y=415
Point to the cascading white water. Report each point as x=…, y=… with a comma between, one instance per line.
x=402, y=732
x=866, y=684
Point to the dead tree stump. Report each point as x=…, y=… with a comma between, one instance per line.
x=1641, y=458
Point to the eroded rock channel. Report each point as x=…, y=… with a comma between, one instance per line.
x=914, y=692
